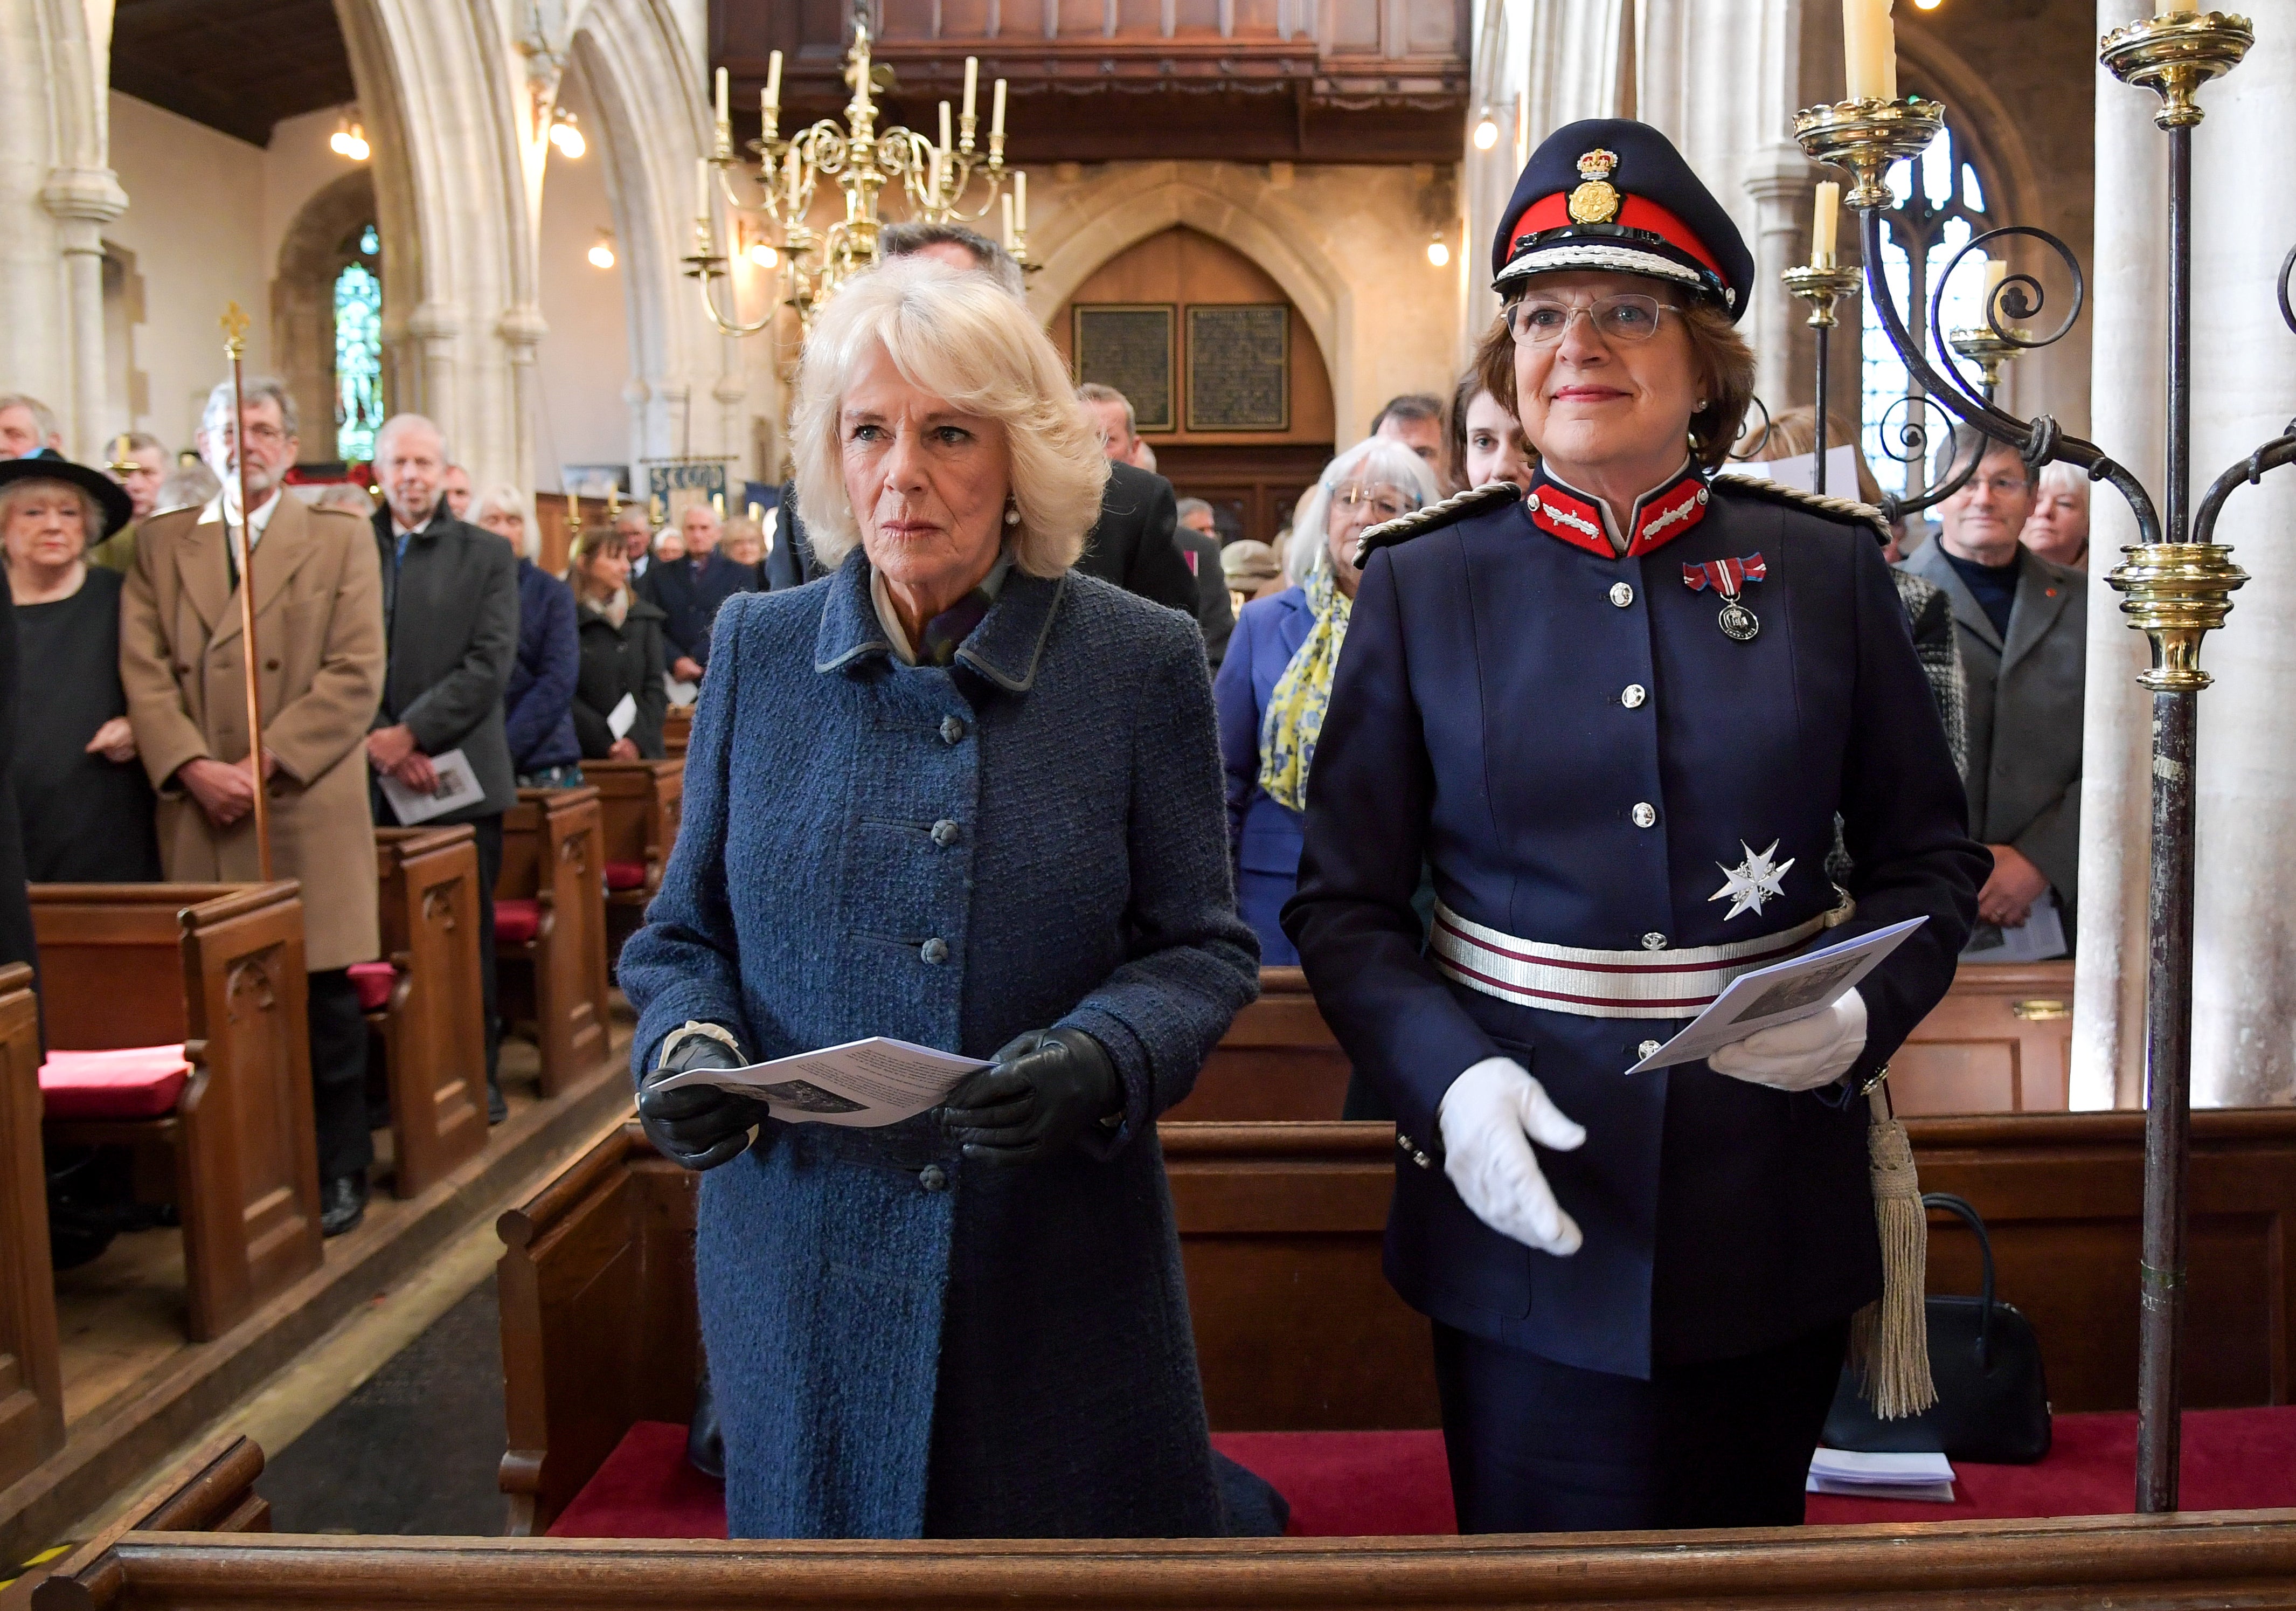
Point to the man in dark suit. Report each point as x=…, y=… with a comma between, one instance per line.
x=690, y=590
x=2024, y=622
x=450, y=611
x=1199, y=545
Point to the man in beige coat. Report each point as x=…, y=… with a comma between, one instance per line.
x=318, y=596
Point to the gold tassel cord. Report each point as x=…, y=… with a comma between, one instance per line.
x=1889, y=1339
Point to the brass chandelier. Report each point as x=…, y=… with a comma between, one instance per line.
x=939, y=181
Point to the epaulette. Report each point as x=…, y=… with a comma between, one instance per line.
x=1491, y=495
x=1842, y=509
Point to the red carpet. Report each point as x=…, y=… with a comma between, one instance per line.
x=1344, y=1484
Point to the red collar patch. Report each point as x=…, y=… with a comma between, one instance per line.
x=1659, y=518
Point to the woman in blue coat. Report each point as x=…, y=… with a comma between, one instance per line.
x=538, y=703
x=956, y=793
x=1271, y=696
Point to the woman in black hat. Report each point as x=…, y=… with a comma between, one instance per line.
x=1617, y=715
x=85, y=806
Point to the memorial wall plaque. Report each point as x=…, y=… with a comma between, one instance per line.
x=1240, y=367
x=1129, y=345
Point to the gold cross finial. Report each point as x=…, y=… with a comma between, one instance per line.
x=235, y=331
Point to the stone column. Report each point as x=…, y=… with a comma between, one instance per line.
x=521, y=329
x=2128, y=412
x=1783, y=184
x=82, y=200
x=2244, y=392
x=435, y=328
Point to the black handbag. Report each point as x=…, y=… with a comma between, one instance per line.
x=1993, y=1401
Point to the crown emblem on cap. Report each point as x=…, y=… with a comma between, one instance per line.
x=1596, y=201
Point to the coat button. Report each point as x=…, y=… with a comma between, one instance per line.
x=1645, y=814
x=933, y=1176
x=1403, y=1141
x=951, y=729
x=945, y=833
x=934, y=951
x=1633, y=696
x=1621, y=595
x=1420, y=1159
x=1653, y=941
x=1648, y=1049
x=271, y=665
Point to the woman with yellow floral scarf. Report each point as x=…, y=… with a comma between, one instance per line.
x=1276, y=677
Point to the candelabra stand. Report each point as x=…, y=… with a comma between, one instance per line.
x=2178, y=581
x=1822, y=285
x=939, y=183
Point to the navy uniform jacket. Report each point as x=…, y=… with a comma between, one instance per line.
x=1481, y=719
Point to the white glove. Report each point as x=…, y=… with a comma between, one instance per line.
x=1485, y=1118
x=1800, y=1055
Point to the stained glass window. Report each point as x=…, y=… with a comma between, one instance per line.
x=1937, y=203
x=359, y=353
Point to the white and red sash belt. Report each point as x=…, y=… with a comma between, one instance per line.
x=1606, y=984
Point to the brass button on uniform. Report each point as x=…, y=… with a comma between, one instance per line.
x=1645, y=814
x=933, y=1176
x=934, y=951
x=1633, y=696
x=946, y=832
x=1621, y=595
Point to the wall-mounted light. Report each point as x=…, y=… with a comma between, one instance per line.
x=601, y=255
x=566, y=135
x=1927, y=5
x=1438, y=250
x=349, y=140
x=1487, y=130
x=762, y=255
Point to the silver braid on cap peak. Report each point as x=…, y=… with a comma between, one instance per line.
x=1794, y=498
x=1489, y=495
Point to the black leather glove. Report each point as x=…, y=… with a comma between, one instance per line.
x=698, y=1126
x=1045, y=1089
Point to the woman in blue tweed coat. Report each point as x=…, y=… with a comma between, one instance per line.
x=956, y=793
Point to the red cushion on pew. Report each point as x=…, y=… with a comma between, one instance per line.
x=128, y=1082
x=516, y=922
x=625, y=875
x=645, y=1490
x=374, y=982
x=2234, y=1460
x=1351, y=1484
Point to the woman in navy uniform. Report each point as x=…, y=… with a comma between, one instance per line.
x=1616, y=716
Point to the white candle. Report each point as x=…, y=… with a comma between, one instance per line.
x=996, y=112
x=1007, y=200
x=1021, y=202
x=944, y=128
x=724, y=106
x=789, y=173
x=701, y=189
x=773, y=81
x=1996, y=271
x=934, y=155
x=2180, y=8
x=971, y=82
x=1824, y=228
x=1870, y=50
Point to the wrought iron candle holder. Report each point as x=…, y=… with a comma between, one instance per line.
x=1822, y=286
x=2178, y=587
x=938, y=182
x=1990, y=353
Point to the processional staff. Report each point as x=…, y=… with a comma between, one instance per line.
x=235, y=333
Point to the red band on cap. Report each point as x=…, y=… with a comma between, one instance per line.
x=1553, y=212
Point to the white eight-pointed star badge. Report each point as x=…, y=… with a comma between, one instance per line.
x=1752, y=881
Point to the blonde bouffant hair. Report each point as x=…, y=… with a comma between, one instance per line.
x=963, y=338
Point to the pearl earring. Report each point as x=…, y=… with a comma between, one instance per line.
x=1011, y=514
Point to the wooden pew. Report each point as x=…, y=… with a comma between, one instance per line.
x=220, y=968
x=31, y=1358
x=550, y=929
x=677, y=731
x=1278, y=1060
x=2000, y=1042
x=639, y=803
x=1295, y=1326
x=432, y=1027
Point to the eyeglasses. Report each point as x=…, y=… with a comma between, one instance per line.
x=1541, y=322
x=1385, y=502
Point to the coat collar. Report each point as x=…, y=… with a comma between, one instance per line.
x=1659, y=515
x=2041, y=597
x=286, y=542
x=1929, y=562
x=1006, y=647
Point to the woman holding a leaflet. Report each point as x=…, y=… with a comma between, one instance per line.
x=958, y=794
x=1616, y=716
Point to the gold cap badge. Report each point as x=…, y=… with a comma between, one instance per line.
x=1595, y=202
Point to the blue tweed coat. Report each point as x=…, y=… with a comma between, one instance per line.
x=904, y=1344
